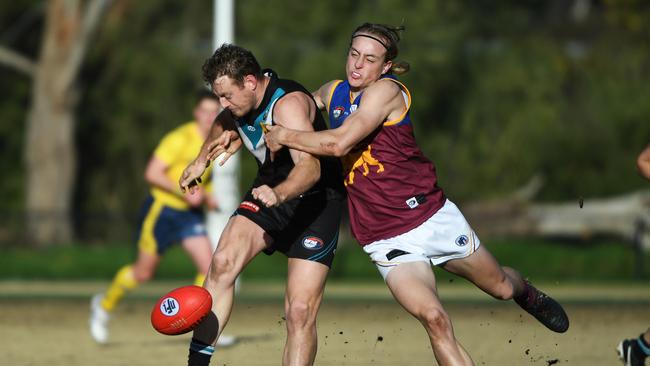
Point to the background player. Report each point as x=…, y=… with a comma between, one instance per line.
x=167, y=216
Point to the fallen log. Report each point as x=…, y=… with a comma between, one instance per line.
x=626, y=216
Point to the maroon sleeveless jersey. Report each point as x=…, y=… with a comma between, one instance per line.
x=392, y=187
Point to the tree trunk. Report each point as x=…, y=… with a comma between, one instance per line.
x=51, y=164
x=49, y=148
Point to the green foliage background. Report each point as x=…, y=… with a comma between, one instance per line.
x=502, y=91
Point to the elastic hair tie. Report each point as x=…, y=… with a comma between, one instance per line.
x=371, y=37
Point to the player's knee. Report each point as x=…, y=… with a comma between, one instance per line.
x=436, y=321
x=299, y=314
x=223, y=268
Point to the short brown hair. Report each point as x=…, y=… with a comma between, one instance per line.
x=232, y=61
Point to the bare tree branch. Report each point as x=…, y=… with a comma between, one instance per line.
x=92, y=14
x=16, y=61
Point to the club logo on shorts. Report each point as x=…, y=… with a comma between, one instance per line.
x=250, y=206
x=338, y=111
x=312, y=242
x=462, y=240
x=412, y=202
x=169, y=306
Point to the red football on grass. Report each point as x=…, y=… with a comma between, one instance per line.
x=181, y=310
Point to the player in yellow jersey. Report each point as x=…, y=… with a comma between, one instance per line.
x=168, y=216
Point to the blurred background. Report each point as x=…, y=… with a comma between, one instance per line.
x=533, y=112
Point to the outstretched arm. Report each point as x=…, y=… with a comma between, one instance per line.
x=380, y=101
x=643, y=162
x=223, y=128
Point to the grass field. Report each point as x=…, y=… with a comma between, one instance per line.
x=45, y=323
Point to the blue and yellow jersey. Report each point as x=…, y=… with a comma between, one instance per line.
x=392, y=187
x=177, y=149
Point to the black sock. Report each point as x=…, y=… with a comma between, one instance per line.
x=644, y=346
x=200, y=353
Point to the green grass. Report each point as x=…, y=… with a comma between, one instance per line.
x=569, y=261
x=537, y=259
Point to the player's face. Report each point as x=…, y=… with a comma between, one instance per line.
x=365, y=62
x=205, y=112
x=238, y=99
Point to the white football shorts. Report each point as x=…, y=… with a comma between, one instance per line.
x=444, y=236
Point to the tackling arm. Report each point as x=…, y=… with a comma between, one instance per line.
x=379, y=101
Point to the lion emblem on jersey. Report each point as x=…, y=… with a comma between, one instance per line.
x=363, y=160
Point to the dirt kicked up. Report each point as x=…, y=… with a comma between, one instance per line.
x=54, y=333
